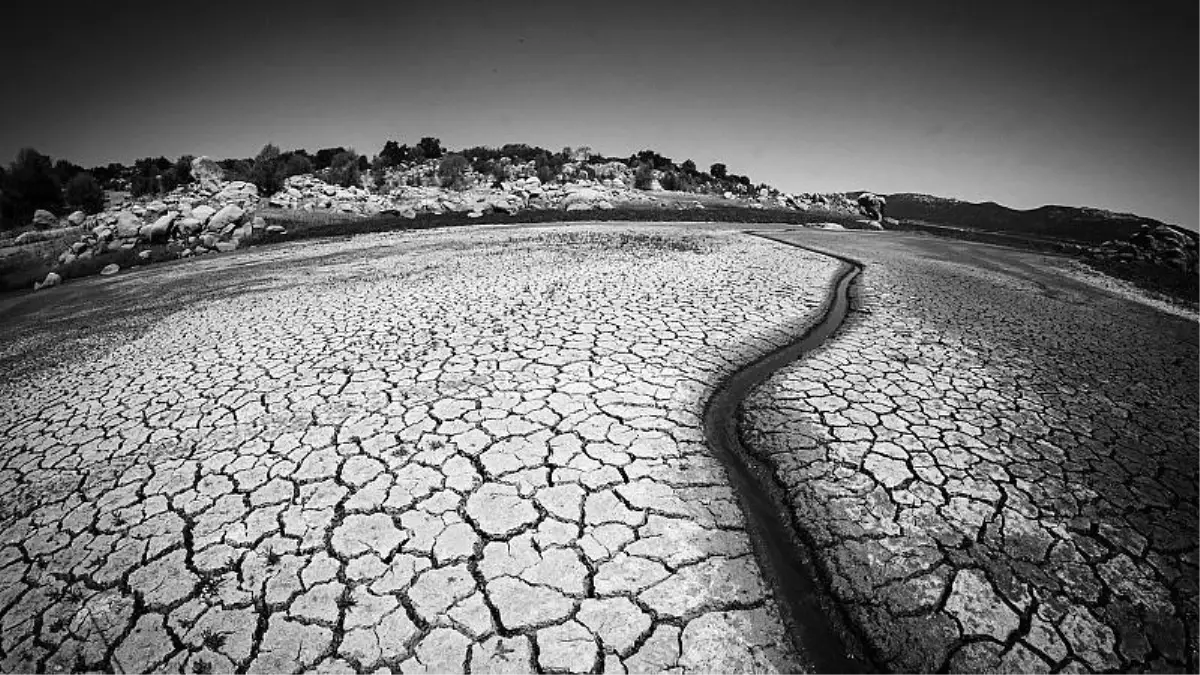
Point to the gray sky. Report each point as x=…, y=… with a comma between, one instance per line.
x=1022, y=103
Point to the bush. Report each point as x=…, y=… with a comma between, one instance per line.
x=671, y=181
x=718, y=171
x=29, y=185
x=343, y=169
x=83, y=192
x=297, y=164
x=451, y=170
x=324, y=158
x=643, y=177
x=688, y=167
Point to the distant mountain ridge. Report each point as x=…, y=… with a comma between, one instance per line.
x=1067, y=223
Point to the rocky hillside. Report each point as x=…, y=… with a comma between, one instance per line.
x=1081, y=225
x=212, y=215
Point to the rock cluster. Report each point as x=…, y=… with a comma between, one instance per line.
x=1161, y=245
x=208, y=215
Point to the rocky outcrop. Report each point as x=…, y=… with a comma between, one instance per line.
x=871, y=205
x=1164, y=246
x=207, y=215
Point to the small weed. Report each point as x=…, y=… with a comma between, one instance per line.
x=273, y=557
x=208, y=586
x=212, y=640
x=202, y=667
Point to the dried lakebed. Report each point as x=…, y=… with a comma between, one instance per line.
x=995, y=464
x=476, y=449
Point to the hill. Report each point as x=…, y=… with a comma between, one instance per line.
x=1066, y=223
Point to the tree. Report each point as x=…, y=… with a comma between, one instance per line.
x=451, y=170
x=324, y=158
x=718, y=171
x=83, y=192
x=393, y=154
x=343, y=169
x=689, y=167
x=379, y=166
x=644, y=176
x=267, y=170
x=431, y=148
x=297, y=164
x=29, y=185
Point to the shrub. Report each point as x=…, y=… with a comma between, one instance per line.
x=718, y=171
x=379, y=167
x=29, y=185
x=267, y=171
x=671, y=181
x=451, y=170
x=83, y=192
x=431, y=148
x=689, y=167
x=343, y=169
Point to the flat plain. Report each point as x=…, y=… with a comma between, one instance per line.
x=482, y=449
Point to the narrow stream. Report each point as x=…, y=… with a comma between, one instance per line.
x=821, y=637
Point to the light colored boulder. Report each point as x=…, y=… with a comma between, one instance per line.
x=128, y=225
x=44, y=219
x=160, y=229
x=189, y=226
x=203, y=213
x=207, y=174
x=110, y=270
x=52, y=279
x=228, y=215
x=76, y=218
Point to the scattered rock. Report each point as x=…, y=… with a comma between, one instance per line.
x=128, y=225
x=76, y=218
x=110, y=269
x=52, y=279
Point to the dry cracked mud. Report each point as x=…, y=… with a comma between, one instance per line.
x=475, y=449
x=995, y=465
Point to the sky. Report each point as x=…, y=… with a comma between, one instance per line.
x=1021, y=103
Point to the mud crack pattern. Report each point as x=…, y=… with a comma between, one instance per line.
x=997, y=469
x=436, y=452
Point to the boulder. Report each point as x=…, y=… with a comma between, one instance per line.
x=228, y=215
x=408, y=212
x=207, y=174
x=203, y=213
x=238, y=191
x=160, y=229
x=227, y=246
x=579, y=206
x=44, y=219
x=110, y=270
x=78, y=247
x=144, y=256
x=76, y=218
x=156, y=207
x=185, y=253
x=128, y=225
x=869, y=224
x=276, y=229
x=189, y=226
x=52, y=279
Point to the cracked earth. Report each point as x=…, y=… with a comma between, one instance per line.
x=469, y=450
x=996, y=467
